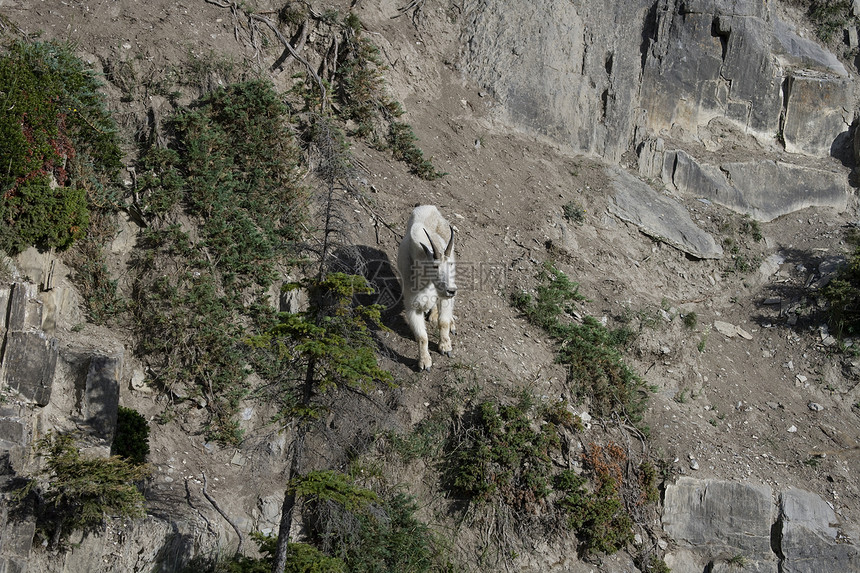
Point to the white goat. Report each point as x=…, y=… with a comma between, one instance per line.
x=426, y=264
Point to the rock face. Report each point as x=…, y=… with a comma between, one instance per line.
x=29, y=357
x=810, y=538
x=672, y=68
x=78, y=385
x=720, y=524
x=736, y=60
x=566, y=70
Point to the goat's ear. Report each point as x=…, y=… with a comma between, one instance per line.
x=450, y=246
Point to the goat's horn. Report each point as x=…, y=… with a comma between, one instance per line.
x=450, y=242
x=432, y=246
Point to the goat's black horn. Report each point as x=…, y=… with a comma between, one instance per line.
x=432, y=246
x=450, y=242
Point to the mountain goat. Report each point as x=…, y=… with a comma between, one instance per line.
x=426, y=264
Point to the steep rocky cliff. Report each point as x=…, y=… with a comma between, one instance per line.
x=667, y=123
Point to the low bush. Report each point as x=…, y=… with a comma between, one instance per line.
x=502, y=452
x=591, y=351
x=597, y=514
x=61, y=150
x=367, y=533
x=131, y=440
x=502, y=456
x=202, y=284
x=80, y=492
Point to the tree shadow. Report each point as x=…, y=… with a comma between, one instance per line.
x=793, y=303
x=375, y=266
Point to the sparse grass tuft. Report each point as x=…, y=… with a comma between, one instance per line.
x=573, y=212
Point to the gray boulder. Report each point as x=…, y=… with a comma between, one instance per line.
x=713, y=521
x=810, y=538
x=659, y=216
x=719, y=525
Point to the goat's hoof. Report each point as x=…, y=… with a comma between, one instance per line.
x=449, y=354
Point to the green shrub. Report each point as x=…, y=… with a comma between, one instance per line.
x=357, y=89
x=329, y=346
x=81, y=492
x=691, y=320
x=424, y=441
x=360, y=530
x=131, y=440
x=842, y=294
x=590, y=350
x=401, y=140
x=61, y=152
x=239, y=159
x=204, y=287
x=597, y=514
x=392, y=541
x=573, y=212
x=497, y=455
x=829, y=17
x=303, y=558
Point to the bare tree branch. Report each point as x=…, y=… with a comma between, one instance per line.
x=293, y=52
x=252, y=20
x=224, y=515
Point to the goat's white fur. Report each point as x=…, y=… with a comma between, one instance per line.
x=427, y=274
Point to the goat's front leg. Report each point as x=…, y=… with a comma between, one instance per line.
x=415, y=319
x=446, y=325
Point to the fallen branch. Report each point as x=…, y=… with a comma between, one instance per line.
x=416, y=15
x=294, y=53
x=224, y=515
x=252, y=18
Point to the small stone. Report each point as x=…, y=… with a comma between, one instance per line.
x=801, y=378
x=725, y=328
x=815, y=406
x=792, y=429
x=773, y=405
x=694, y=465
x=772, y=300
x=743, y=333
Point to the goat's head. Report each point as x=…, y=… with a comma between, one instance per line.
x=442, y=261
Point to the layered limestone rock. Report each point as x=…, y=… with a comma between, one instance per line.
x=46, y=385
x=720, y=525
x=598, y=76
x=659, y=216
